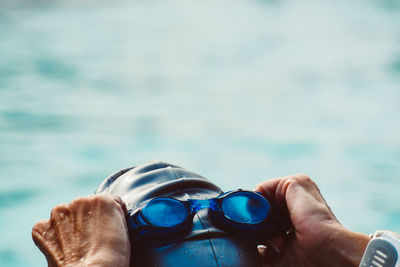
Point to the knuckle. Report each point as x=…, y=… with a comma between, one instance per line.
x=97, y=199
x=260, y=188
x=78, y=202
x=90, y=202
x=301, y=179
x=93, y=202
x=304, y=181
x=58, y=213
x=117, y=198
x=304, y=176
x=36, y=234
x=109, y=202
x=104, y=199
x=39, y=228
x=259, y=185
x=58, y=209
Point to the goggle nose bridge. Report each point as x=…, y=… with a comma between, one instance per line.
x=198, y=204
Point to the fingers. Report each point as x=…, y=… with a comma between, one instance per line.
x=78, y=210
x=113, y=206
x=59, y=214
x=87, y=224
x=39, y=228
x=269, y=254
x=43, y=237
x=86, y=205
x=120, y=202
x=39, y=233
x=276, y=189
x=269, y=188
x=297, y=197
x=301, y=198
x=111, y=200
x=313, y=222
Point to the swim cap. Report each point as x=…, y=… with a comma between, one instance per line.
x=205, y=244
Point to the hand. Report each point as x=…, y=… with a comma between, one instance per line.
x=318, y=238
x=90, y=231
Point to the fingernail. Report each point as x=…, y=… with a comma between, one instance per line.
x=262, y=249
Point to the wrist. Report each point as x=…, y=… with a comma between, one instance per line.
x=347, y=247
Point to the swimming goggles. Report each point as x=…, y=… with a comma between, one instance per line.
x=242, y=212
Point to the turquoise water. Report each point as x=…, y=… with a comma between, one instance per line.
x=238, y=91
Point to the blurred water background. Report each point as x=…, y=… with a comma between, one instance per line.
x=238, y=91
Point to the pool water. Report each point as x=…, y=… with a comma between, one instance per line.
x=238, y=91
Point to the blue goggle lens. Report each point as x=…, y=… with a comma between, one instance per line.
x=245, y=207
x=240, y=207
x=165, y=212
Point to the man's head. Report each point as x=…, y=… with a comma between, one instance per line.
x=204, y=244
